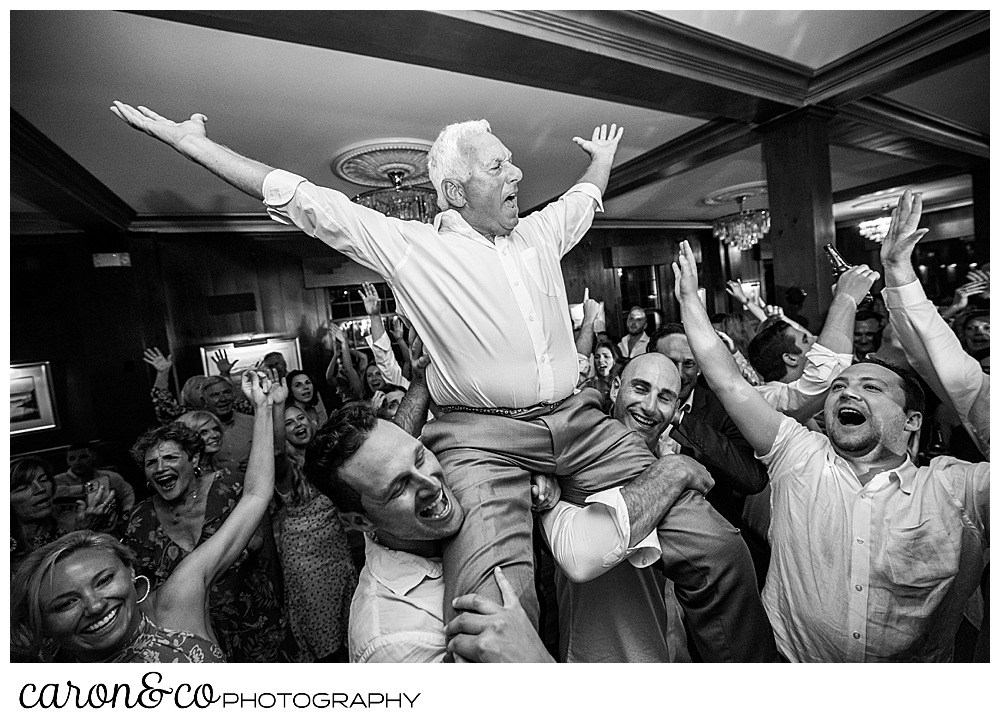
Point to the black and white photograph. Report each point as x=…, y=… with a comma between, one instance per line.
x=450, y=335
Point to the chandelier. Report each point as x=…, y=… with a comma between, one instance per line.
x=742, y=229
x=875, y=229
x=409, y=203
x=396, y=168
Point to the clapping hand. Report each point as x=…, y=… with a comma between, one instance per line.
x=398, y=328
x=377, y=401
x=256, y=388
x=154, y=357
x=221, y=360
x=279, y=386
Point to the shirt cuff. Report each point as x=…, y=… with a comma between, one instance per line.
x=381, y=343
x=899, y=297
x=588, y=189
x=279, y=187
x=819, y=353
x=648, y=550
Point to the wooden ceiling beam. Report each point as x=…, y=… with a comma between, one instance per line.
x=47, y=177
x=633, y=58
x=926, y=46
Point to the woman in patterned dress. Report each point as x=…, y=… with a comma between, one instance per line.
x=192, y=500
x=77, y=599
x=319, y=573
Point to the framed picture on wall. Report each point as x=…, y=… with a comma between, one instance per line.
x=245, y=355
x=32, y=398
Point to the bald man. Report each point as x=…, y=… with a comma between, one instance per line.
x=620, y=616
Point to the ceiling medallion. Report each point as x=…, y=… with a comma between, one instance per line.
x=746, y=227
x=396, y=168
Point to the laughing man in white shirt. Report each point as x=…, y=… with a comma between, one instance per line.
x=873, y=559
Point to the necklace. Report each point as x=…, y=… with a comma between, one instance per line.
x=175, y=508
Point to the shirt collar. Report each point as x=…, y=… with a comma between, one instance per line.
x=452, y=221
x=399, y=571
x=904, y=475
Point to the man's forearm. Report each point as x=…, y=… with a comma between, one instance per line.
x=649, y=496
x=598, y=171
x=838, y=331
x=412, y=412
x=244, y=174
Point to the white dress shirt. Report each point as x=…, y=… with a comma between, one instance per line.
x=805, y=397
x=386, y=360
x=494, y=317
x=397, y=613
x=936, y=354
x=876, y=572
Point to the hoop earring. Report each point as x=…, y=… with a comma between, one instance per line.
x=148, y=587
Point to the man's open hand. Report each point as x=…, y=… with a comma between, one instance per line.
x=903, y=233
x=604, y=141
x=685, y=274
x=163, y=129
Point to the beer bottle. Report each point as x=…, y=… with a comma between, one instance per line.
x=840, y=266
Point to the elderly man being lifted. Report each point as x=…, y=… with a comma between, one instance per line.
x=484, y=290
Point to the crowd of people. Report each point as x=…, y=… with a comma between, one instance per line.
x=737, y=488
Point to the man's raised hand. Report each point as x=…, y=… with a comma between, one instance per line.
x=903, y=233
x=603, y=140
x=685, y=274
x=369, y=295
x=163, y=129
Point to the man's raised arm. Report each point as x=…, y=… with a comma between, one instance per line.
x=757, y=420
x=930, y=345
x=190, y=140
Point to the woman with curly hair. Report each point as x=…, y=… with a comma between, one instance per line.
x=78, y=599
x=189, y=506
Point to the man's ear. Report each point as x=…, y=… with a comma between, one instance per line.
x=616, y=384
x=454, y=193
x=790, y=359
x=914, y=420
x=356, y=521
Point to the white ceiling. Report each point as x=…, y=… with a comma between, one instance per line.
x=295, y=106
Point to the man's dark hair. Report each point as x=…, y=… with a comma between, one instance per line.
x=795, y=296
x=188, y=439
x=671, y=327
x=867, y=315
x=79, y=445
x=331, y=447
x=914, y=398
x=765, y=351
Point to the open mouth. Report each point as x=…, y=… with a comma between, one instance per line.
x=511, y=201
x=439, y=507
x=850, y=417
x=103, y=623
x=166, y=483
x=643, y=421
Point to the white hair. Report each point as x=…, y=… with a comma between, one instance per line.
x=448, y=158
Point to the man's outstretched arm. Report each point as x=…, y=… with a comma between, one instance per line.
x=190, y=140
x=756, y=419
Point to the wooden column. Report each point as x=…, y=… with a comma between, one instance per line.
x=797, y=159
x=981, y=213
